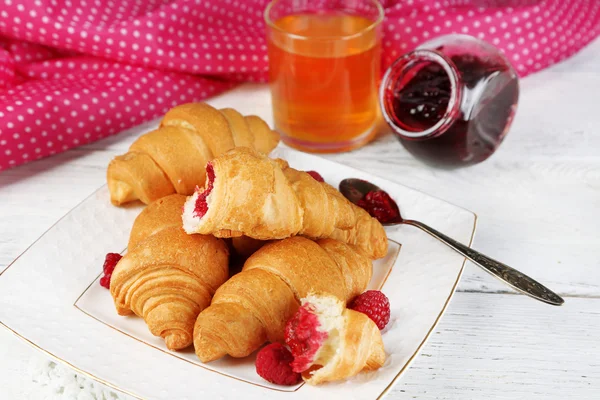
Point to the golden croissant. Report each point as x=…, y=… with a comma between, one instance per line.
x=253, y=306
x=250, y=194
x=172, y=159
x=331, y=342
x=167, y=277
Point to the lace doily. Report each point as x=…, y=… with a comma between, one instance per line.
x=59, y=382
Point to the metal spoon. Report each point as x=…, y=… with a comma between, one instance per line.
x=355, y=189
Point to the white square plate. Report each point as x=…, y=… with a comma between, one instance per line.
x=50, y=297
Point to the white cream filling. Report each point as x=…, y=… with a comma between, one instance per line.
x=192, y=223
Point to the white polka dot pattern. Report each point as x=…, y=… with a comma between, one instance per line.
x=86, y=69
x=532, y=33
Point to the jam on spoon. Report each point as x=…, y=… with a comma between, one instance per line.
x=356, y=191
x=380, y=206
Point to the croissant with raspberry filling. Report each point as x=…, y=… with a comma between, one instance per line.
x=250, y=194
x=331, y=342
x=167, y=276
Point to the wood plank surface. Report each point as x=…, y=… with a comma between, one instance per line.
x=500, y=346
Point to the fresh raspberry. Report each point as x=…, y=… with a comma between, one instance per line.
x=110, y=262
x=380, y=205
x=316, y=176
x=273, y=364
x=375, y=305
x=303, y=337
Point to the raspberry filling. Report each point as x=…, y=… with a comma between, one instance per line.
x=380, y=205
x=201, y=204
x=110, y=262
x=303, y=337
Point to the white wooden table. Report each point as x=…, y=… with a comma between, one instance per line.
x=538, y=201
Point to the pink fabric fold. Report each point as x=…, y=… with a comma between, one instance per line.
x=76, y=72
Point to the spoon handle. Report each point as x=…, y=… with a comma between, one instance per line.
x=514, y=278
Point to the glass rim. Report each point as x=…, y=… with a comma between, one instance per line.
x=374, y=24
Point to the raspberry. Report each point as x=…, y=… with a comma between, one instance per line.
x=303, y=337
x=375, y=305
x=273, y=364
x=105, y=281
x=110, y=262
x=316, y=176
x=380, y=205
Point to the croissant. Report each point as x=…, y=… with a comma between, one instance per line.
x=331, y=342
x=254, y=305
x=172, y=159
x=249, y=194
x=167, y=277
x=160, y=214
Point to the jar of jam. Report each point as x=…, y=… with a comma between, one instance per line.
x=451, y=101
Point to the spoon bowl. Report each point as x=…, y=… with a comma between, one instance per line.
x=355, y=190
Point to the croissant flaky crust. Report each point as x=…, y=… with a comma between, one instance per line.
x=253, y=195
x=254, y=305
x=361, y=349
x=168, y=277
x=160, y=214
x=172, y=159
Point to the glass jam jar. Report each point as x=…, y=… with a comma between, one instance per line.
x=451, y=101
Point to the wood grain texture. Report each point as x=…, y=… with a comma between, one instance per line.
x=538, y=202
x=496, y=346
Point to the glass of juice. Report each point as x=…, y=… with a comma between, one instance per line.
x=324, y=71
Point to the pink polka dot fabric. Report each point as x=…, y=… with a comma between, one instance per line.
x=73, y=72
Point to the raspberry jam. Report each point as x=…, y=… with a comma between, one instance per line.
x=201, y=205
x=451, y=101
x=380, y=205
x=304, y=337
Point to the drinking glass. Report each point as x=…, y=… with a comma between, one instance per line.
x=324, y=71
